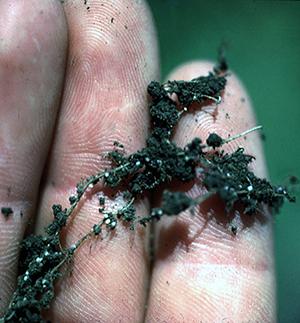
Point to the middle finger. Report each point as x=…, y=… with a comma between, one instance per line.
x=112, y=58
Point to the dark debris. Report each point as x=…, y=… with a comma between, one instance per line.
x=7, y=211
x=159, y=162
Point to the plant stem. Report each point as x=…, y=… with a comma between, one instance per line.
x=79, y=242
x=244, y=133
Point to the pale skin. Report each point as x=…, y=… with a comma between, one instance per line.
x=62, y=106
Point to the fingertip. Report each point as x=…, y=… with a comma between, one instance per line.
x=191, y=69
x=23, y=23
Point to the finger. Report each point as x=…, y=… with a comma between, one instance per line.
x=112, y=57
x=31, y=74
x=202, y=272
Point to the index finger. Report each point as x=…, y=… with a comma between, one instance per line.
x=202, y=272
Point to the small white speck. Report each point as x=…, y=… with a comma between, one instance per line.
x=250, y=188
x=107, y=221
x=73, y=247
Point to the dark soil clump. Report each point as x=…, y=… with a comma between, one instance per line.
x=6, y=211
x=159, y=162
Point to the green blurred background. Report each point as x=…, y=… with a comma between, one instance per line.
x=263, y=39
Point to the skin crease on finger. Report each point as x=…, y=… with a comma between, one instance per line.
x=112, y=58
x=31, y=78
x=202, y=272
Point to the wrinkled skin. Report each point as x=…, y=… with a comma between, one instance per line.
x=72, y=81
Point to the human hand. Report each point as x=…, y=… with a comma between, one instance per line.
x=201, y=272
